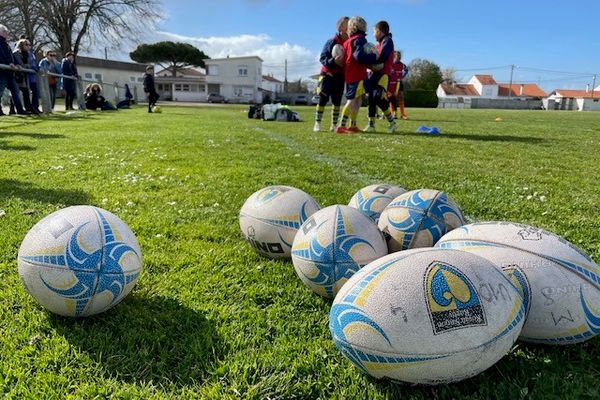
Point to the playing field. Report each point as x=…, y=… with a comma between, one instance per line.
x=210, y=318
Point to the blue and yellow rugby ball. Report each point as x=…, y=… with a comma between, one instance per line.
x=427, y=316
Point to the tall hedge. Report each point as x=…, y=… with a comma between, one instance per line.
x=420, y=98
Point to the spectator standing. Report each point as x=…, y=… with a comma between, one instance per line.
x=21, y=57
x=49, y=64
x=33, y=87
x=149, y=88
x=7, y=78
x=69, y=68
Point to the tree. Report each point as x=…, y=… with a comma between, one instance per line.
x=173, y=56
x=449, y=75
x=71, y=25
x=424, y=74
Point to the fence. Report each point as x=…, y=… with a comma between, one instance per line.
x=109, y=89
x=509, y=104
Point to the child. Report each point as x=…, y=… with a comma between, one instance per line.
x=379, y=80
x=396, y=89
x=355, y=72
x=149, y=88
x=331, y=81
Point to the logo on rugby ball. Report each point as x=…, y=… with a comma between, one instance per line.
x=451, y=298
x=530, y=234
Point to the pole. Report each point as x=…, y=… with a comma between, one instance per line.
x=285, y=80
x=593, y=84
x=512, y=68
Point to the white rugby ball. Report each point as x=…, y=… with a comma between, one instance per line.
x=332, y=245
x=79, y=261
x=419, y=219
x=373, y=199
x=559, y=282
x=270, y=218
x=426, y=316
x=338, y=51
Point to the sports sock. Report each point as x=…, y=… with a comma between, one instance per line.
x=388, y=115
x=335, y=115
x=319, y=115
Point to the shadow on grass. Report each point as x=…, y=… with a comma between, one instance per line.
x=529, y=370
x=147, y=340
x=10, y=188
x=6, y=147
x=471, y=136
x=4, y=134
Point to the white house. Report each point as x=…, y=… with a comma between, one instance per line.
x=113, y=75
x=188, y=84
x=579, y=100
x=485, y=85
x=237, y=78
x=271, y=84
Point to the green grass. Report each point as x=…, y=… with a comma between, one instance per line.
x=210, y=318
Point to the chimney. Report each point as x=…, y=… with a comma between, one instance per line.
x=587, y=88
x=521, y=90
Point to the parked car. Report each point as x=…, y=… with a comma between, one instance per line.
x=216, y=98
x=301, y=99
x=315, y=100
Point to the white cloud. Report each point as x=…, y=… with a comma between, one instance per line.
x=301, y=61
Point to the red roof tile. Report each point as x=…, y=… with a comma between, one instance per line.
x=270, y=79
x=520, y=90
x=459, y=89
x=486, y=79
x=577, y=94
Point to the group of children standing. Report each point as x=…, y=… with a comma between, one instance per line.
x=350, y=70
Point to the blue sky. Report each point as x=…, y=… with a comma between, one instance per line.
x=471, y=36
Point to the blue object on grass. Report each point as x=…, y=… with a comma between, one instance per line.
x=430, y=130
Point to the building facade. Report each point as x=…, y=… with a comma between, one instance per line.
x=113, y=75
x=239, y=79
x=188, y=84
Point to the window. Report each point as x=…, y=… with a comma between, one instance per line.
x=243, y=70
x=212, y=70
x=178, y=87
x=237, y=91
x=132, y=79
x=140, y=79
x=87, y=75
x=185, y=87
x=98, y=77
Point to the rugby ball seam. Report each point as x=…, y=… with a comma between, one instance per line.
x=553, y=260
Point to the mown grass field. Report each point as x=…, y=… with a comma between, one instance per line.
x=210, y=318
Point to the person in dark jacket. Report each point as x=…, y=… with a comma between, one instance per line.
x=21, y=58
x=94, y=99
x=7, y=77
x=149, y=88
x=69, y=69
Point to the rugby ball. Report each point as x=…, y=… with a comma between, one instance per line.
x=370, y=48
x=156, y=109
x=372, y=200
x=338, y=51
x=426, y=316
x=559, y=282
x=419, y=219
x=270, y=218
x=79, y=261
x=332, y=245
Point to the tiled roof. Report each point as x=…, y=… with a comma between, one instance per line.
x=270, y=79
x=183, y=71
x=577, y=94
x=459, y=89
x=528, y=90
x=109, y=64
x=486, y=79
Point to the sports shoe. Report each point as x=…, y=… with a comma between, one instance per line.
x=317, y=127
x=392, y=127
x=404, y=117
x=341, y=130
x=353, y=129
x=369, y=129
x=332, y=128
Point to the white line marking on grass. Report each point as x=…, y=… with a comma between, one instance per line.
x=310, y=154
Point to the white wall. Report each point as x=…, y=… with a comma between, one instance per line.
x=589, y=104
x=109, y=76
x=236, y=77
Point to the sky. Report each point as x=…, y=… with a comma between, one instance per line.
x=553, y=44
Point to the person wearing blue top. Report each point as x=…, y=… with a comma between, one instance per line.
x=7, y=77
x=35, y=93
x=69, y=69
x=49, y=64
